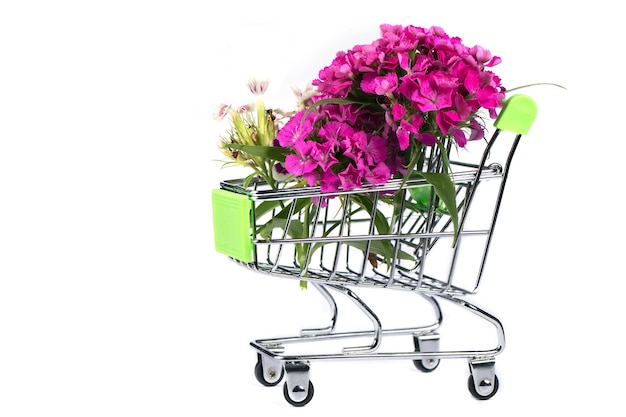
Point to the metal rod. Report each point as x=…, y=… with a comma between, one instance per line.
x=370, y=314
x=333, y=310
x=505, y=175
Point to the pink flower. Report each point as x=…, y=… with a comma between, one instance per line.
x=311, y=178
x=410, y=84
x=483, y=56
x=375, y=150
x=459, y=136
x=329, y=181
x=434, y=91
x=380, y=174
x=407, y=129
x=472, y=80
x=380, y=85
x=323, y=154
x=404, y=135
x=454, y=117
x=398, y=111
x=364, y=149
x=295, y=130
x=489, y=97
x=427, y=138
x=302, y=162
x=350, y=178
x=476, y=131
x=336, y=79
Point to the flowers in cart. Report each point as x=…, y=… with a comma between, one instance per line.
x=393, y=109
x=369, y=147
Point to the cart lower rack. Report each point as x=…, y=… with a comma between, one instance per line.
x=395, y=236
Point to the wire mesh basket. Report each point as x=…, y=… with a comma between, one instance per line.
x=399, y=235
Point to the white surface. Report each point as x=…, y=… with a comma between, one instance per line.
x=112, y=299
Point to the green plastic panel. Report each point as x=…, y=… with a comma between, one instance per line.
x=421, y=196
x=517, y=115
x=232, y=224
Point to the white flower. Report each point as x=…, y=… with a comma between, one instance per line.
x=258, y=87
x=303, y=96
x=245, y=108
x=221, y=111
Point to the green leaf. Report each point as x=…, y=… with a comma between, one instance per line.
x=268, y=152
x=296, y=228
x=380, y=221
x=444, y=187
x=248, y=179
x=327, y=101
x=242, y=131
x=265, y=207
x=280, y=220
x=380, y=247
x=383, y=247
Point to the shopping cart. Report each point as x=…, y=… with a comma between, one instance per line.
x=399, y=237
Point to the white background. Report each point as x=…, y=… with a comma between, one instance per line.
x=112, y=298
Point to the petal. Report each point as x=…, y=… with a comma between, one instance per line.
x=427, y=138
x=294, y=165
x=403, y=138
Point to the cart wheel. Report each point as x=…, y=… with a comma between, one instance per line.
x=489, y=389
x=275, y=376
x=426, y=365
x=301, y=403
x=426, y=343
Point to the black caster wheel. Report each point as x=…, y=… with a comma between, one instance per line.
x=268, y=377
x=302, y=402
x=432, y=342
x=488, y=388
x=426, y=365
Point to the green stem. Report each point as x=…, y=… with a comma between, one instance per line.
x=533, y=85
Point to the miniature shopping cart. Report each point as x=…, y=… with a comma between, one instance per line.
x=393, y=236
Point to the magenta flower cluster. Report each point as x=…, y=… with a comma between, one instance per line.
x=384, y=100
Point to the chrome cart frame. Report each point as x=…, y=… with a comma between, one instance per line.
x=341, y=247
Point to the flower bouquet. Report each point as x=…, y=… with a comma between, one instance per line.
x=373, y=135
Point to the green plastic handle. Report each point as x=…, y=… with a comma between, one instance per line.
x=517, y=115
x=232, y=224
